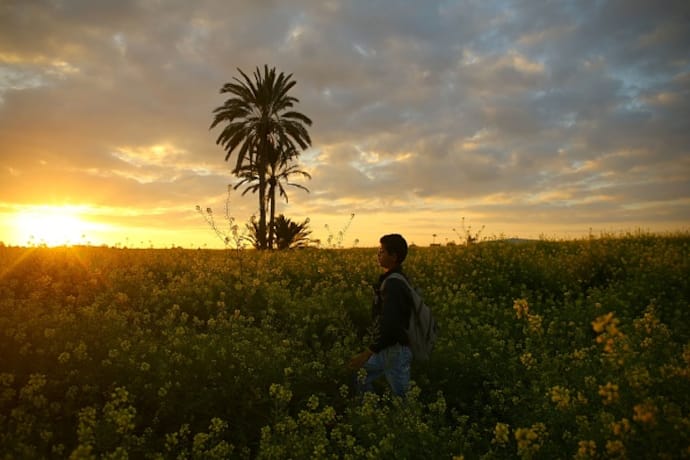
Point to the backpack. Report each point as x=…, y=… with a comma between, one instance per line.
x=422, y=330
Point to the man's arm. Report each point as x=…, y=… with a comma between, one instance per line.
x=360, y=359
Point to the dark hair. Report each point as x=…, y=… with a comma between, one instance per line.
x=395, y=244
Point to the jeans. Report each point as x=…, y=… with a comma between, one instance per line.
x=394, y=363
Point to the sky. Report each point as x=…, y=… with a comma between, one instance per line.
x=526, y=119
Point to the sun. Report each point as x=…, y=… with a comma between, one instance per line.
x=50, y=226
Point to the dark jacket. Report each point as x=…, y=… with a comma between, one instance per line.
x=391, y=312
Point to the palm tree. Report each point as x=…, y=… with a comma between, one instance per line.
x=248, y=174
x=277, y=174
x=261, y=126
x=291, y=234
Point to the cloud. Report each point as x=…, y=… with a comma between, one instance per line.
x=570, y=110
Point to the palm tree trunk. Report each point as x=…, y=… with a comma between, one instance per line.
x=271, y=225
x=262, y=208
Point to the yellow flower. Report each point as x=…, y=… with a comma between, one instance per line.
x=344, y=391
x=501, y=432
x=280, y=393
x=579, y=354
x=560, y=396
x=313, y=402
x=608, y=343
x=521, y=308
x=534, y=322
x=606, y=326
x=218, y=425
x=586, y=449
x=615, y=449
x=649, y=323
x=438, y=406
x=601, y=322
x=645, y=413
x=528, y=360
x=608, y=393
x=529, y=439
x=639, y=377
x=621, y=428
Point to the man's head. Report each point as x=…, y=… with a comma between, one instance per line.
x=395, y=246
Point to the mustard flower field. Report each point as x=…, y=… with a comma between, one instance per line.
x=548, y=350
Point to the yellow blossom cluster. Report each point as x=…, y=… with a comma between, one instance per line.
x=621, y=428
x=561, y=397
x=501, y=433
x=645, y=413
x=280, y=393
x=528, y=360
x=119, y=412
x=521, y=308
x=682, y=370
x=615, y=449
x=650, y=323
x=606, y=326
x=530, y=439
x=586, y=449
x=534, y=321
x=608, y=393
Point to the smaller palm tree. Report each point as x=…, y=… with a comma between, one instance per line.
x=278, y=178
x=291, y=234
x=252, y=235
x=278, y=175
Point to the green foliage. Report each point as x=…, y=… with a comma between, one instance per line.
x=547, y=350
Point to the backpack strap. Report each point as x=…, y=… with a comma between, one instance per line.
x=414, y=296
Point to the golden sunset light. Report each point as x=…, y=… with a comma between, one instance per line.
x=441, y=114
x=51, y=226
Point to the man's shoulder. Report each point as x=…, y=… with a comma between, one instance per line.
x=395, y=280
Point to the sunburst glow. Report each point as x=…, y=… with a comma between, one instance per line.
x=51, y=225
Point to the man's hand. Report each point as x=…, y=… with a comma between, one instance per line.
x=358, y=361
